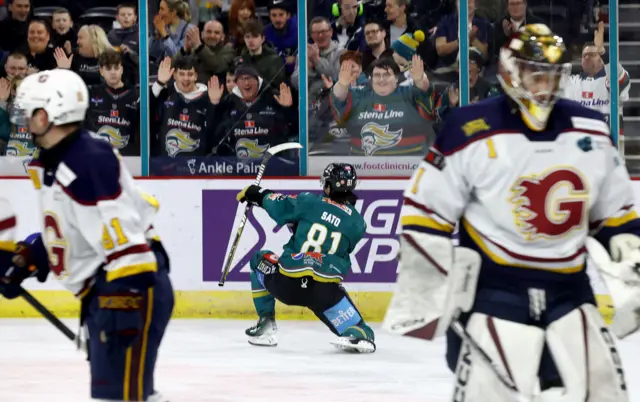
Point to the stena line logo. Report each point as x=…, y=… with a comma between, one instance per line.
x=373, y=259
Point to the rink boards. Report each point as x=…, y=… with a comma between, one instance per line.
x=197, y=221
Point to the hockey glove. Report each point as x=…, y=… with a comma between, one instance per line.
x=29, y=259
x=253, y=195
x=120, y=315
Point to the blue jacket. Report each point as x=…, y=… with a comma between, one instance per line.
x=285, y=42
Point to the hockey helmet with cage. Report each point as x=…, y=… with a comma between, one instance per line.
x=534, y=66
x=61, y=93
x=340, y=177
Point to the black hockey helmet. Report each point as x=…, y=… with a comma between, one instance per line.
x=534, y=65
x=340, y=177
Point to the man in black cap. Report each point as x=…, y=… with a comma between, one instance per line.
x=252, y=118
x=282, y=34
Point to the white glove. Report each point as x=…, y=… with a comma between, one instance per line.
x=622, y=278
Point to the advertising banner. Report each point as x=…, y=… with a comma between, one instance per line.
x=369, y=166
x=221, y=166
x=373, y=260
x=16, y=166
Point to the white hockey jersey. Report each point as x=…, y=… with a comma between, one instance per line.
x=593, y=92
x=93, y=215
x=525, y=200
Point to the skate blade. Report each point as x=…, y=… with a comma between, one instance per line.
x=269, y=342
x=362, y=346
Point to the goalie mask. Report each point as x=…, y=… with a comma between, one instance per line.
x=340, y=177
x=534, y=66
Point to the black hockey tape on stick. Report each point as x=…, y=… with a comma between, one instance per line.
x=270, y=152
x=459, y=329
x=55, y=321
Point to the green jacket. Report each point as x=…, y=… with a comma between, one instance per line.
x=211, y=60
x=269, y=65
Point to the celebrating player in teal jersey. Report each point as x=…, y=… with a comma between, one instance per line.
x=326, y=229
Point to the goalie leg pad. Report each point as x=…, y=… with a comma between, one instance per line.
x=586, y=357
x=503, y=341
x=428, y=292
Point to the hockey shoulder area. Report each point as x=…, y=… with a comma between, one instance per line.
x=88, y=170
x=500, y=116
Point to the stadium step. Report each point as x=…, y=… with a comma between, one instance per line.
x=629, y=13
x=632, y=107
x=632, y=127
x=634, y=91
x=627, y=31
x=628, y=51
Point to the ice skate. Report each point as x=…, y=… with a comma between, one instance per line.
x=356, y=340
x=263, y=333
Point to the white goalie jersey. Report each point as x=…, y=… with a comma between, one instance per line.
x=524, y=200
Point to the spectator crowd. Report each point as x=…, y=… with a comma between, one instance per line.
x=224, y=74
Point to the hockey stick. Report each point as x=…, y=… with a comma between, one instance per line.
x=55, y=321
x=459, y=329
x=270, y=152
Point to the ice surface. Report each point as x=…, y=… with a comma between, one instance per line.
x=210, y=360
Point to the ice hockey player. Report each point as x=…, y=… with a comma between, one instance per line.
x=528, y=176
x=326, y=228
x=96, y=238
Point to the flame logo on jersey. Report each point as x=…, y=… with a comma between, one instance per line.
x=376, y=137
x=178, y=141
x=250, y=149
x=19, y=148
x=550, y=205
x=112, y=136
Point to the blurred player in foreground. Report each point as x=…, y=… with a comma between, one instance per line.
x=96, y=239
x=529, y=176
x=326, y=229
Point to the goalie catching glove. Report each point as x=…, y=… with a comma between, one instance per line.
x=621, y=273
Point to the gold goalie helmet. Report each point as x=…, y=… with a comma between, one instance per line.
x=534, y=67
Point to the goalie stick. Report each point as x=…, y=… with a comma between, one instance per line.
x=270, y=152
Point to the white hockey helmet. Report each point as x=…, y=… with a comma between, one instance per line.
x=60, y=92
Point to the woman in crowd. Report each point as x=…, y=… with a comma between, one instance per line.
x=40, y=51
x=92, y=42
x=240, y=12
x=171, y=25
